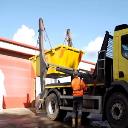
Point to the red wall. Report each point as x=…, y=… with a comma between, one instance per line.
x=19, y=81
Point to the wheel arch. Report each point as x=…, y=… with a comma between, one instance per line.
x=117, y=86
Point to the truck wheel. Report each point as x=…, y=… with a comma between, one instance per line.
x=117, y=110
x=52, y=108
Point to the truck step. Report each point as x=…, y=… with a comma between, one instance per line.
x=66, y=97
x=66, y=108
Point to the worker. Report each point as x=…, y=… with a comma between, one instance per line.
x=78, y=87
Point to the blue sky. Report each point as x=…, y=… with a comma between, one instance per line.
x=87, y=19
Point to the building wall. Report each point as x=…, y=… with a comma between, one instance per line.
x=17, y=78
x=86, y=65
x=18, y=81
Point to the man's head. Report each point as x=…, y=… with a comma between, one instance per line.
x=75, y=74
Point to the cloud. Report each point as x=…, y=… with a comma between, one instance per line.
x=91, y=50
x=25, y=35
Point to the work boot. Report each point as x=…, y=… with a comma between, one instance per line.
x=73, y=123
x=79, y=123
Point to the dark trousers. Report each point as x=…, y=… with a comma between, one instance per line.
x=77, y=106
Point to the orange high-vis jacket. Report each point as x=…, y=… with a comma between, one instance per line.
x=78, y=86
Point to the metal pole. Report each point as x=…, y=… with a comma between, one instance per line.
x=69, y=39
x=43, y=65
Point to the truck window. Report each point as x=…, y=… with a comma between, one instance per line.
x=124, y=46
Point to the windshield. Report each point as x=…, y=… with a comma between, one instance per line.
x=124, y=46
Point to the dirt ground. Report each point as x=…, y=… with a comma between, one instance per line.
x=26, y=118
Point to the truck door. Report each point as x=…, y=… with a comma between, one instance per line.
x=120, y=56
x=123, y=58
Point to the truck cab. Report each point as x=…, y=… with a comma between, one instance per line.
x=120, y=52
x=115, y=98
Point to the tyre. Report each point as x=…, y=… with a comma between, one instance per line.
x=52, y=108
x=117, y=111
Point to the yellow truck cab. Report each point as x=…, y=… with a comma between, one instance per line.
x=120, y=60
x=116, y=95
